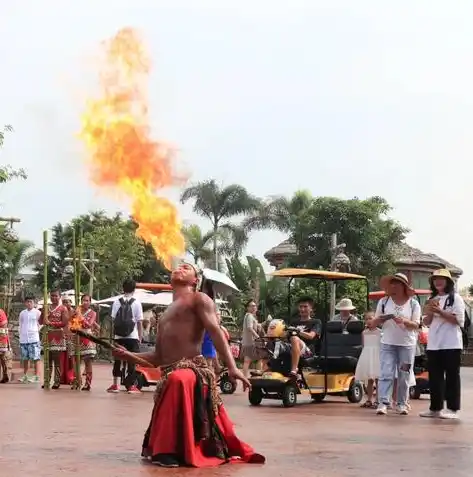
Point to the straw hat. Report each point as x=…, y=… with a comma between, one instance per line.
x=345, y=304
x=397, y=277
x=441, y=273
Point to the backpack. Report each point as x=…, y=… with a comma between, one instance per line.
x=124, y=324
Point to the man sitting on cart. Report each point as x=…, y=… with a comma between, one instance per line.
x=305, y=331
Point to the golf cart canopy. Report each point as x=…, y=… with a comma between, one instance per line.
x=316, y=274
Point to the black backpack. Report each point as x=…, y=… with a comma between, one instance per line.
x=124, y=324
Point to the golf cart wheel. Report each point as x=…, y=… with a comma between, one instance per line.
x=227, y=386
x=255, y=396
x=140, y=381
x=355, y=393
x=289, y=396
x=318, y=397
x=414, y=392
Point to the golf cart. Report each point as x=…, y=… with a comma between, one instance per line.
x=331, y=371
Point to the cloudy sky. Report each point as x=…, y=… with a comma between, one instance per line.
x=342, y=98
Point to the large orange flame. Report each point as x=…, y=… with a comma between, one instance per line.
x=123, y=156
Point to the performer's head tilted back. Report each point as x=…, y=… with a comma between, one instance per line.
x=186, y=275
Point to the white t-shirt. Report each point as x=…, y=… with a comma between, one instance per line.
x=137, y=310
x=394, y=334
x=445, y=335
x=29, y=326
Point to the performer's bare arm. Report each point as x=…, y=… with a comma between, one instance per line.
x=205, y=308
x=64, y=318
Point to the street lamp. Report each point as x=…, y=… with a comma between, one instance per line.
x=340, y=262
x=9, y=234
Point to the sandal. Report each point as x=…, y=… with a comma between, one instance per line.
x=367, y=404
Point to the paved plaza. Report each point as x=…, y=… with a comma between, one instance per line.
x=49, y=433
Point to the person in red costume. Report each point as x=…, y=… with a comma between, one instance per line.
x=56, y=320
x=189, y=424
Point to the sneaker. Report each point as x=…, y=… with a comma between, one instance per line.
x=34, y=379
x=451, y=415
x=382, y=409
x=403, y=410
x=133, y=390
x=24, y=379
x=429, y=413
x=113, y=389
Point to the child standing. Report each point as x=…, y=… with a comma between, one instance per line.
x=30, y=349
x=368, y=367
x=4, y=346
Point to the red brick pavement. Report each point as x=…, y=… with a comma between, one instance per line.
x=49, y=433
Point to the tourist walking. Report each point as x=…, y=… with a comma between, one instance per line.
x=399, y=317
x=249, y=350
x=445, y=313
x=30, y=346
x=127, y=317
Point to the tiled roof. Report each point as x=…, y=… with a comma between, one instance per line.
x=407, y=256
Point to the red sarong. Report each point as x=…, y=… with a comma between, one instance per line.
x=67, y=371
x=172, y=427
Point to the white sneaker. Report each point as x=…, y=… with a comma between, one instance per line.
x=23, y=379
x=382, y=409
x=451, y=415
x=429, y=413
x=402, y=410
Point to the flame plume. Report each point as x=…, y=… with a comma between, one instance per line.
x=122, y=154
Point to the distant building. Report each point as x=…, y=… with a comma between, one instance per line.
x=414, y=263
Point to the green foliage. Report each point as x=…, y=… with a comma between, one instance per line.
x=220, y=205
x=370, y=237
x=120, y=253
x=253, y=284
x=7, y=173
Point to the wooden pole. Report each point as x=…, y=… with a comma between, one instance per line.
x=76, y=338
x=46, y=364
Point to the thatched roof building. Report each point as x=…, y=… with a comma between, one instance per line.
x=411, y=261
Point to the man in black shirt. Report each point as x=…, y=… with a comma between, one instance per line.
x=302, y=345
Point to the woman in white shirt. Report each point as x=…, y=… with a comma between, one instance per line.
x=445, y=314
x=399, y=316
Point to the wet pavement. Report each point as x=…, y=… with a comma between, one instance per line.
x=64, y=432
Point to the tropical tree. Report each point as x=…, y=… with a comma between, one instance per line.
x=250, y=278
x=281, y=213
x=125, y=254
x=120, y=254
x=7, y=173
x=198, y=244
x=371, y=237
x=220, y=205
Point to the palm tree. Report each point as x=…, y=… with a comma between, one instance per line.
x=281, y=213
x=197, y=244
x=20, y=255
x=219, y=205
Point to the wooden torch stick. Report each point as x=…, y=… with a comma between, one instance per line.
x=46, y=363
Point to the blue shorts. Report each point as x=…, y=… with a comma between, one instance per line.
x=30, y=351
x=208, y=348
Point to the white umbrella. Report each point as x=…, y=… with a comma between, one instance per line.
x=139, y=293
x=221, y=283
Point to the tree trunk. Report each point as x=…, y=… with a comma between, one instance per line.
x=215, y=247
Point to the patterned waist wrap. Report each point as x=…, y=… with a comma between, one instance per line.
x=206, y=401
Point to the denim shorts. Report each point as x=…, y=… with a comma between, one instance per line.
x=30, y=351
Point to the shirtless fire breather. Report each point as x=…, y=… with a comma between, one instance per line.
x=189, y=425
